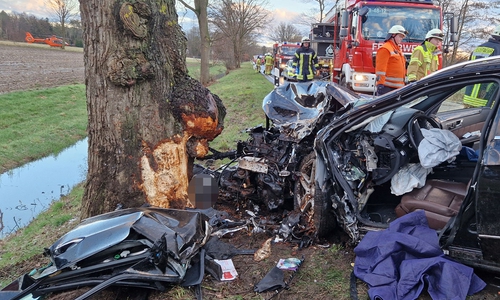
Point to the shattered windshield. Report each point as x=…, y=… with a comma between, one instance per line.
x=417, y=21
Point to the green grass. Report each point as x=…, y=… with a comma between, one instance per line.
x=216, y=70
x=241, y=91
x=36, y=123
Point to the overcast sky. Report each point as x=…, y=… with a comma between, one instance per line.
x=281, y=10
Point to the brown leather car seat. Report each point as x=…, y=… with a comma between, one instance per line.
x=439, y=199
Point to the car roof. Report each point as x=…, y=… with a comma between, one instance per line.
x=486, y=65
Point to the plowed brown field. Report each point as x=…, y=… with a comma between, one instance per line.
x=26, y=66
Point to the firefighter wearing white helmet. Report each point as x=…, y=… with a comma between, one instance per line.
x=390, y=63
x=425, y=57
x=472, y=97
x=305, y=61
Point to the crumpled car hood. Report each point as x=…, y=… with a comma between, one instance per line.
x=296, y=108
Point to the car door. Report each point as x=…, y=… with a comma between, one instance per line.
x=488, y=193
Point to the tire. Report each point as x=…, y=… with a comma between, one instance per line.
x=324, y=218
x=304, y=189
x=316, y=210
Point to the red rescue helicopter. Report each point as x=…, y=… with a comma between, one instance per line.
x=52, y=41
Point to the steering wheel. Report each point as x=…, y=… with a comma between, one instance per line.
x=416, y=123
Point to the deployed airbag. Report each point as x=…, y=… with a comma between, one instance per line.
x=437, y=146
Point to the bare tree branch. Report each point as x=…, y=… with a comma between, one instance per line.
x=284, y=32
x=64, y=10
x=237, y=20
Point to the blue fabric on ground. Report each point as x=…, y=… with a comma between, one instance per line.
x=398, y=262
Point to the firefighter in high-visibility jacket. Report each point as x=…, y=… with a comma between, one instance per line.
x=478, y=95
x=269, y=60
x=425, y=57
x=390, y=62
x=305, y=61
x=258, y=63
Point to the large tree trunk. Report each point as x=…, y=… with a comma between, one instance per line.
x=147, y=118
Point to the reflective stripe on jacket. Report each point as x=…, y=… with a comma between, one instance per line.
x=479, y=94
x=390, y=65
x=424, y=60
x=307, y=61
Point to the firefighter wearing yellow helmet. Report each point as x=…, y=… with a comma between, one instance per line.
x=425, y=57
x=305, y=61
x=478, y=95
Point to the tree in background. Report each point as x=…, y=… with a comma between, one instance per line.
x=63, y=10
x=14, y=27
x=237, y=20
x=194, y=42
x=285, y=32
x=74, y=33
x=6, y=25
x=475, y=23
x=148, y=119
x=322, y=8
x=200, y=9
x=317, y=13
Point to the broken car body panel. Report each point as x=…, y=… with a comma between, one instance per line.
x=139, y=247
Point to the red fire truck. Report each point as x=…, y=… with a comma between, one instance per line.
x=360, y=27
x=283, y=52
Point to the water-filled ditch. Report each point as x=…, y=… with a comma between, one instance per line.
x=28, y=190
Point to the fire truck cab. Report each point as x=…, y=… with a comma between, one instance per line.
x=360, y=29
x=283, y=52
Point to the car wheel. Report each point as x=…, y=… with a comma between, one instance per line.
x=317, y=212
x=304, y=185
x=324, y=218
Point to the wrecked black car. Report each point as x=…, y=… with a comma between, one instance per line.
x=418, y=148
x=336, y=159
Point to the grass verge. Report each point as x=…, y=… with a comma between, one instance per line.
x=216, y=70
x=34, y=124
x=241, y=92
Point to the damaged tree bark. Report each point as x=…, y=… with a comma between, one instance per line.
x=148, y=119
